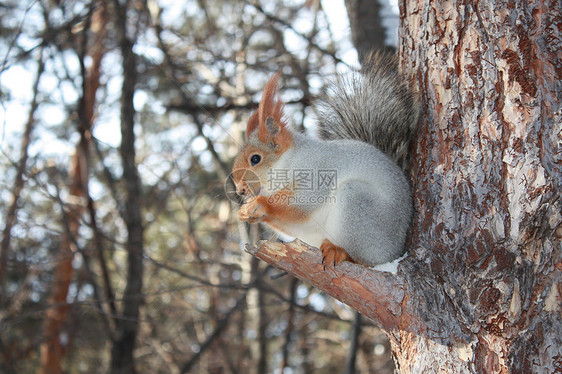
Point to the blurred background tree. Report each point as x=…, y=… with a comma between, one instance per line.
x=119, y=123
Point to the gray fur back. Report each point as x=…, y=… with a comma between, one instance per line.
x=374, y=106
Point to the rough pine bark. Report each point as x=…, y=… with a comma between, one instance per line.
x=479, y=291
x=487, y=174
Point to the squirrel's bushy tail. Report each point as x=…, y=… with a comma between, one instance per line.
x=375, y=106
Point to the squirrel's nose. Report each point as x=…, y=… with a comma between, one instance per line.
x=241, y=191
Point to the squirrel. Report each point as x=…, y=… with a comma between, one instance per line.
x=344, y=191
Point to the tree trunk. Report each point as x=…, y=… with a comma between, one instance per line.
x=480, y=289
x=487, y=175
x=122, y=359
x=52, y=349
x=367, y=30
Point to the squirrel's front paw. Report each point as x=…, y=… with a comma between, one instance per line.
x=333, y=255
x=252, y=211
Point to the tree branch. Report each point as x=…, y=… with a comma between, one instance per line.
x=286, y=24
x=19, y=179
x=376, y=295
x=350, y=366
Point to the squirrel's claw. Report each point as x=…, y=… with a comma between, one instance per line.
x=333, y=255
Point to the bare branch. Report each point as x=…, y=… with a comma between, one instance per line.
x=375, y=294
x=18, y=183
x=221, y=326
x=280, y=21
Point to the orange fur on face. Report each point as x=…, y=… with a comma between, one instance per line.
x=247, y=183
x=242, y=161
x=248, y=178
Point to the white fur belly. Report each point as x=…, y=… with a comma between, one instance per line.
x=312, y=232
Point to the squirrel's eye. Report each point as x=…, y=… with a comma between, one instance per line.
x=255, y=159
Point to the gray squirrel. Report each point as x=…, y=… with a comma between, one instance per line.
x=343, y=192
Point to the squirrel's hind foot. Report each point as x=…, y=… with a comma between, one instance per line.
x=333, y=255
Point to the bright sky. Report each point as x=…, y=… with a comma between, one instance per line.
x=18, y=80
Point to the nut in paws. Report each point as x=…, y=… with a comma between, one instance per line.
x=252, y=211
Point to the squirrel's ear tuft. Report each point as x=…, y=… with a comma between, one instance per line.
x=270, y=105
x=270, y=110
x=253, y=123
